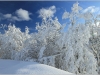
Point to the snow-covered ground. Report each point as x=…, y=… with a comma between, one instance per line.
x=22, y=67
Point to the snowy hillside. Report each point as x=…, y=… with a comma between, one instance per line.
x=22, y=67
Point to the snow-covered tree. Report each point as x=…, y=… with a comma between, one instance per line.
x=94, y=44
x=49, y=31
x=78, y=55
x=93, y=20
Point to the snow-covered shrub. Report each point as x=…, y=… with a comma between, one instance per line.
x=11, y=40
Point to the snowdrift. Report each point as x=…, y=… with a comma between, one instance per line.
x=22, y=67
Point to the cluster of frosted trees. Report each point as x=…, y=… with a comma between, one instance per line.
x=77, y=50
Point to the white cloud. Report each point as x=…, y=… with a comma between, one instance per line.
x=47, y=12
x=91, y=9
x=20, y=15
x=7, y=16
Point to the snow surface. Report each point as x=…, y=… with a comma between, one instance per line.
x=22, y=67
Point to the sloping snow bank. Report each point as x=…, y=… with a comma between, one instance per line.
x=22, y=67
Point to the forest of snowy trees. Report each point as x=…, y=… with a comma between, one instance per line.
x=77, y=50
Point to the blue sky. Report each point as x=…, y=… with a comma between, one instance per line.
x=25, y=13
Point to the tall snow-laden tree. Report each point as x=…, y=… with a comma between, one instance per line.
x=94, y=43
x=49, y=31
x=93, y=20
x=78, y=58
